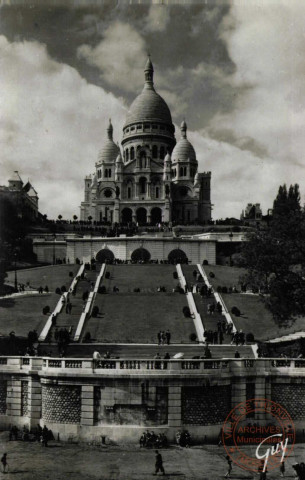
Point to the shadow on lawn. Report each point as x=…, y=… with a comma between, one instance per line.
x=7, y=302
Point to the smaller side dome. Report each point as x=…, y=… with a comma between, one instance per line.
x=110, y=150
x=184, y=150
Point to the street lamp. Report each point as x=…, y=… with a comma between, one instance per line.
x=16, y=284
x=231, y=238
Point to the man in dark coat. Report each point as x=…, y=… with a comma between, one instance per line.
x=159, y=463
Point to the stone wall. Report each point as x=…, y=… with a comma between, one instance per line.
x=159, y=248
x=205, y=405
x=24, y=398
x=130, y=403
x=61, y=403
x=3, y=394
x=291, y=397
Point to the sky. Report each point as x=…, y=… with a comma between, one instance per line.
x=233, y=70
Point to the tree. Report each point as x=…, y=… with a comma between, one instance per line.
x=59, y=217
x=275, y=256
x=75, y=217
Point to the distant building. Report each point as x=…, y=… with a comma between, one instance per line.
x=23, y=196
x=252, y=213
x=151, y=178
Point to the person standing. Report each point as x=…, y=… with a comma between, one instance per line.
x=229, y=461
x=159, y=463
x=168, y=337
x=4, y=463
x=282, y=469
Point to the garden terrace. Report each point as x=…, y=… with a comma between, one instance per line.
x=53, y=276
x=24, y=313
x=146, y=277
x=138, y=317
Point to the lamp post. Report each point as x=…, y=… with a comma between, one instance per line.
x=231, y=238
x=54, y=239
x=16, y=283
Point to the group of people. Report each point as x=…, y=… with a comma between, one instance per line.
x=158, y=361
x=151, y=440
x=238, y=338
x=183, y=438
x=212, y=308
x=164, y=338
x=41, y=289
x=39, y=434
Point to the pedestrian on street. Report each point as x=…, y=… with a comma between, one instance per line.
x=4, y=463
x=229, y=461
x=159, y=463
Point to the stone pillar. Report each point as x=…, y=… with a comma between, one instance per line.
x=34, y=401
x=148, y=190
x=14, y=397
x=174, y=406
x=238, y=391
x=87, y=412
x=116, y=211
x=260, y=392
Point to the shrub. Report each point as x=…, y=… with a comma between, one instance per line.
x=224, y=290
x=58, y=291
x=102, y=289
x=250, y=337
x=175, y=275
x=212, y=275
x=71, y=274
x=235, y=311
x=230, y=290
x=205, y=262
x=46, y=310
x=63, y=289
x=85, y=295
x=107, y=275
x=186, y=311
x=77, y=261
x=219, y=289
x=95, y=311
x=87, y=337
x=193, y=337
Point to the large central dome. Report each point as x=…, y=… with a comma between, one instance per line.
x=149, y=106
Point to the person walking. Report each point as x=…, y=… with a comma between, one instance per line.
x=4, y=463
x=229, y=461
x=282, y=469
x=159, y=463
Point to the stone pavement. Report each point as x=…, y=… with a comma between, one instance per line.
x=59, y=461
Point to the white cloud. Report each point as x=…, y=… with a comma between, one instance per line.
x=52, y=124
x=120, y=56
x=267, y=42
x=157, y=19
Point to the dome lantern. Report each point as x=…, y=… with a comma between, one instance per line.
x=110, y=130
x=183, y=129
x=149, y=74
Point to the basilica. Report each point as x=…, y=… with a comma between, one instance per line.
x=152, y=178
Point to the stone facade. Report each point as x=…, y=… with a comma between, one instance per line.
x=86, y=402
x=158, y=248
x=151, y=179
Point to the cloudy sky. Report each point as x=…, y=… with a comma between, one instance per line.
x=234, y=70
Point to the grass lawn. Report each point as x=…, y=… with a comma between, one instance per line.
x=22, y=314
x=146, y=277
x=257, y=319
x=61, y=461
x=54, y=276
x=137, y=318
x=224, y=276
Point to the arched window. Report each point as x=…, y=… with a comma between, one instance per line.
x=109, y=172
x=157, y=192
x=132, y=153
x=184, y=171
x=155, y=151
x=128, y=192
x=142, y=184
x=127, y=155
x=106, y=172
x=181, y=172
x=162, y=153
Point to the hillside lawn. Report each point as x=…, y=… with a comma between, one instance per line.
x=53, y=276
x=22, y=314
x=137, y=318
